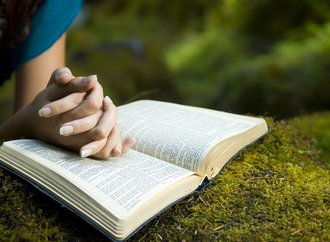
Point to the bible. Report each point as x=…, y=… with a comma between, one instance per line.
x=179, y=150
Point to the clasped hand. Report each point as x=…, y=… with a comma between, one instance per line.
x=71, y=112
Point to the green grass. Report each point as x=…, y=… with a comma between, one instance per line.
x=277, y=189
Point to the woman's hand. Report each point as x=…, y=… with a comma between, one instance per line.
x=72, y=113
x=89, y=112
x=111, y=145
x=79, y=96
x=77, y=99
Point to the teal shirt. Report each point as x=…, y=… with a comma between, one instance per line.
x=47, y=25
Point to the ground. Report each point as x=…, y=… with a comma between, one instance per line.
x=277, y=189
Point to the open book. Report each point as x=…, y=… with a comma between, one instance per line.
x=178, y=150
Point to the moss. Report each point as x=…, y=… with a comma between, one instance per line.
x=28, y=215
x=317, y=126
x=277, y=189
x=21, y=218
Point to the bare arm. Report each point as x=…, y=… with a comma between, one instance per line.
x=32, y=77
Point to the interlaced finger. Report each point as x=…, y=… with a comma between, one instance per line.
x=76, y=84
x=62, y=105
x=92, y=103
x=80, y=125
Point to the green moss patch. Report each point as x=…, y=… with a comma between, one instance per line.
x=21, y=218
x=277, y=189
x=317, y=125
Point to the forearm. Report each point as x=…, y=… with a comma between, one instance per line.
x=32, y=77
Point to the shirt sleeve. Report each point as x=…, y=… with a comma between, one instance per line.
x=47, y=25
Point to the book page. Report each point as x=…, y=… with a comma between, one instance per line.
x=179, y=134
x=123, y=184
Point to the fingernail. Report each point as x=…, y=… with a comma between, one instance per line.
x=108, y=100
x=63, y=75
x=85, y=152
x=66, y=130
x=116, y=152
x=45, y=111
x=133, y=140
x=89, y=78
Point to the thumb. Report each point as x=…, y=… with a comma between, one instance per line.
x=61, y=76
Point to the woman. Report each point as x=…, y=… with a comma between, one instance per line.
x=51, y=104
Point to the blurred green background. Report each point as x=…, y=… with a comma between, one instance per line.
x=262, y=57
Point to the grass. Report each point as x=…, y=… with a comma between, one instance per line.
x=277, y=189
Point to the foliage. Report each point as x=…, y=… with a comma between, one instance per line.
x=277, y=189
x=290, y=80
x=6, y=100
x=265, y=57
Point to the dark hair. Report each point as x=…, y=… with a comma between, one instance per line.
x=15, y=20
